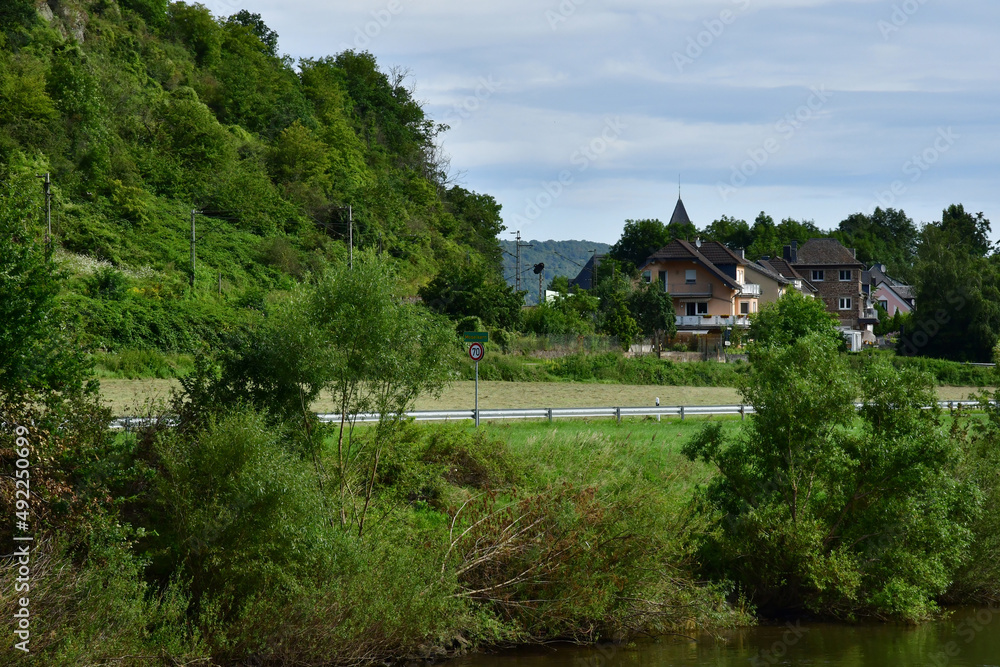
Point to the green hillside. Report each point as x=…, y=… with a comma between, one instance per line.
x=561, y=258
x=143, y=111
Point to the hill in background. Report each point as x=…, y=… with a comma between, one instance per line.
x=561, y=258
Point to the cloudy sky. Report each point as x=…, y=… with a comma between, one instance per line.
x=579, y=114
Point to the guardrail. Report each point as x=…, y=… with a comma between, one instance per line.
x=551, y=414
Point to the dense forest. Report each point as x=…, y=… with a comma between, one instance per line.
x=143, y=111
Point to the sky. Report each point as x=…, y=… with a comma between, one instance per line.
x=577, y=115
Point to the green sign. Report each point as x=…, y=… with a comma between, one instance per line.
x=477, y=336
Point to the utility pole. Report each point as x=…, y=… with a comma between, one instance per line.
x=517, y=274
x=193, y=241
x=47, y=189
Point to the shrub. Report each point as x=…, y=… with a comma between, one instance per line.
x=846, y=515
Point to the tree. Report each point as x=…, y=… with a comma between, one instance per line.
x=653, y=311
x=791, y=318
x=474, y=291
x=481, y=223
x=267, y=37
x=842, y=513
x=957, y=314
x=37, y=356
x=618, y=321
x=887, y=236
x=351, y=336
x=639, y=240
x=730, y=231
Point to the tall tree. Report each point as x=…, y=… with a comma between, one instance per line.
x=730, y=231
x=639, y=240
x=957, y=314
x=887, y=236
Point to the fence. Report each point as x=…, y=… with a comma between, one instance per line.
x=551, y=414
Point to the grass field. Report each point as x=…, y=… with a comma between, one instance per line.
x=131, y=396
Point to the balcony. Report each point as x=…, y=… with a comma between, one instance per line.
x=869, y=314
x=690, y=289
x=711, y=321
x=749, y=289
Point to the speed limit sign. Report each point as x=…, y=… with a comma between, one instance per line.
x=476, y=351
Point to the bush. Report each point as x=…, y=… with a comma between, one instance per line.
x=820, y=508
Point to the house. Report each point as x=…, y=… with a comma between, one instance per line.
x=772, y=284
x=839, y=278
x=708, y=283
x=892, y=295
x=787, y=271
x=585, y=279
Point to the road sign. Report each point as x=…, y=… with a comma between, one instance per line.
x=476, y=351
x=477, y=336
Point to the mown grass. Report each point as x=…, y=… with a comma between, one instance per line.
x=131, y=396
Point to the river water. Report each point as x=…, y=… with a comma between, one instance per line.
x=969, y=637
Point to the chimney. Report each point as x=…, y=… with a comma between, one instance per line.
x=854, y=252
x=741, y=253
x=786, y=253
x=795, y=251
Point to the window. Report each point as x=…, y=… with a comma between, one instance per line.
x=647, y=276
x=817, y=275
x=845, y=303
x=689, y=276
x=744, y=307
x=885, y=304
x=662, y=277
x=695, y=309
x=845, y=275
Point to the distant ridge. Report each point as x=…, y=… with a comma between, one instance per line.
x=561, y=258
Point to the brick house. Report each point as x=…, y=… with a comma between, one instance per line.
x=839, y=278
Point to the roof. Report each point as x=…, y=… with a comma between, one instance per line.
x=680, y=215
x=783, y=268
x=769, y=272
x=825, y=252
x=585, y=279
x=720, y=254
x=683, y=250
x=880, y=277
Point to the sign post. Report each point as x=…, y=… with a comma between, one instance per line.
x=476, y=352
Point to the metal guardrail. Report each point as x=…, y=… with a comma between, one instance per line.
x=551, y=414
